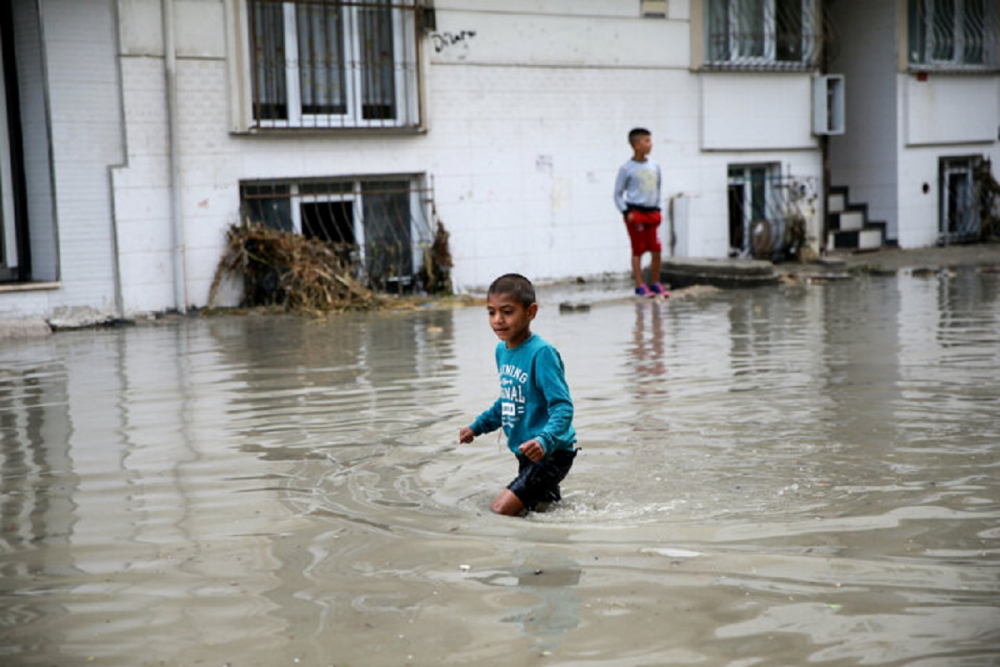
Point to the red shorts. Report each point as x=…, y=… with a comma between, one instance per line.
x=642, y=232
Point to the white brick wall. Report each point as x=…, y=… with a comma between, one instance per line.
x=898, y=128
x=142, y=191
x=950, y=109
x=84, y=101
x=777, y=106
x=527, y=125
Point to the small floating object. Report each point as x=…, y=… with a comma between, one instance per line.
x=569, y=307
x=674, y=553
x=464, y=568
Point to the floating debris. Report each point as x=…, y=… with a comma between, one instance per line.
x=569, y=307
x=290, y=271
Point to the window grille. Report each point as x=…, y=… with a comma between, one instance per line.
x=765, y=34
x=765, y=216
x=334, y=63
x=953, y=34
x=377, y=226
x=960, y=201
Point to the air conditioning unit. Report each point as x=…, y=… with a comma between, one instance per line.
x=828, y=104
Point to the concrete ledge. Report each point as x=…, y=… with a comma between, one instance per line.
x=29, y=287
x=727, y=273
x=24, y=329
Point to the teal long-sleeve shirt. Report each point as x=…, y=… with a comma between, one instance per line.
x=534, y=402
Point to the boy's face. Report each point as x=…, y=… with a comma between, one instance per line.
x=509, y=318
x=643, y=145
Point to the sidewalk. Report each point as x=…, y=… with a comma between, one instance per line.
x=580, y=294
x=707, y=276
x=892, y=260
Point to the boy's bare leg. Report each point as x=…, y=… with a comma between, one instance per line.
x=637, y=270
x=654, y=269
x=507, y=504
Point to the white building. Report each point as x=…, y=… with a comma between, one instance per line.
x=923, y=111
x=140, y=130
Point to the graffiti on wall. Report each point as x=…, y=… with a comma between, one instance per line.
x=447, y=40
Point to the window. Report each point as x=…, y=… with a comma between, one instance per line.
x=15, y=256
x=333, y=63
x=765, y=218
x=960, y=213
x=378, y=226
x=769, y=34
x=953, y=33
x=9, y=232
x=749, y=195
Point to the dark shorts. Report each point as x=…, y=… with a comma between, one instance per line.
x=642, y=231
x=538, y=482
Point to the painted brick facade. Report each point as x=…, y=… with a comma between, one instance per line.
x=525, y=115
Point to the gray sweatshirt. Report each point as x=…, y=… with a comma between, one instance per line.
x=638, y=185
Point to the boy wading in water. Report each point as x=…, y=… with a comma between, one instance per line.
x=637, y=196
x=534, y=408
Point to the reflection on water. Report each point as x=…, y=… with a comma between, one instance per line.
x=803, y=474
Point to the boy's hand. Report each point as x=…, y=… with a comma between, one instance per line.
x=533, y=450
x=465, y=435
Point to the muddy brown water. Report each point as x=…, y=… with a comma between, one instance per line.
x=796, y=475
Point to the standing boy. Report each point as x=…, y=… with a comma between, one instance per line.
x=534, y=407
x=637, y=196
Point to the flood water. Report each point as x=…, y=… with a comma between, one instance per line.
x=795, y=475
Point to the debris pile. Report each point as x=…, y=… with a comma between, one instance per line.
x=436, y=273
x=290, y=271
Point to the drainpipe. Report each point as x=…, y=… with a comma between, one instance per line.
x=824, y=140
x=176, y=213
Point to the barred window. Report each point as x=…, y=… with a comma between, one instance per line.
x=768, y=34
x=378, y=225
x=766, y=218
x=953, y=34
x=334, y=63
x=961, y=196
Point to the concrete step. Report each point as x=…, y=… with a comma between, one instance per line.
x=869, y=238
x=848, y=220
x=726, y=273
x=836, y=202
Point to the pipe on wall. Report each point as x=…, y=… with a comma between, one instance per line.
x=176, y=209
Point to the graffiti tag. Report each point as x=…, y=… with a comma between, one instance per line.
x=442, y=40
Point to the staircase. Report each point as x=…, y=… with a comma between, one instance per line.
x=848, y=226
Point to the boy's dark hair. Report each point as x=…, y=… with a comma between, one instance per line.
x=516, y=286
x=637, y=132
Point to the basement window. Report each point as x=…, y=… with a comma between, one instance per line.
x=960, y=200
x=378, y=226
x=765, y=218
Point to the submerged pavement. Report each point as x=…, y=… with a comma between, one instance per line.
x=725, y=273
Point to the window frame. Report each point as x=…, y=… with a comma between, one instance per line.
x=352, y=189
x=351, y=195
x=407, y=74
x=922, y=52
x=9, y=232
x=809, y=35
x=968, y=227
x=749, y=176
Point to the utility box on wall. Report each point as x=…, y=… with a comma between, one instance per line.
x=828, y=104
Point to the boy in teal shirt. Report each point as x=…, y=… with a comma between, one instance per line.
x=534, y=409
